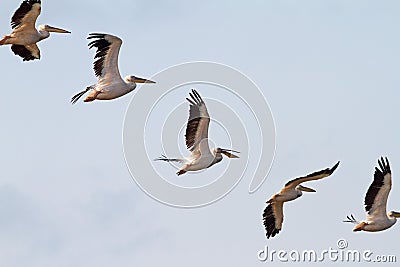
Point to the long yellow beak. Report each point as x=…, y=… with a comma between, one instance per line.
x=54, y=29
x=305, y=189
x=142, y=80
x=396, y=214
x=228, y=153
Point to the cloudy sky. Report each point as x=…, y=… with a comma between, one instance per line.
x=328, y=69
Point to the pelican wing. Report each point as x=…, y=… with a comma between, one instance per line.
x=273, y=218
x=378, y=192
x=27, y=52
x=313, y=176
x=25, y=16
x=197, y=126
x=106, y=59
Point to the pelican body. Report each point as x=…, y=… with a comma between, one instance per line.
x=273, y=213
x=110, y=84
x=201, y=156
x=24, y=37
x=375, y=202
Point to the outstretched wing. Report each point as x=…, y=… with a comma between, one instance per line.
x=273, y=218
x=378, y=192
x=27, y=52
x=197, y=126
x=105, y=63
x=313, y=176
x=25, y=16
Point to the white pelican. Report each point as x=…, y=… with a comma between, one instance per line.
x=197, y=139
x=110, y=85
x=273, y=213
x=375, y=202
x=24, y=37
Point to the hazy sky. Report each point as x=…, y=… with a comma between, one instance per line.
x=329, y=70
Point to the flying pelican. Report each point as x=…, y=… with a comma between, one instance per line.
x=201, y=156
x=24, y=37
x=110, y=85
x=273, y=213
x=375, y=202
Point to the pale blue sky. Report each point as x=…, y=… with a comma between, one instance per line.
x=329, y=70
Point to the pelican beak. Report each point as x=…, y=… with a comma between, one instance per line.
x=141, y=80
x=54, y=29
x=306, y=189
x=396, y=214
x=227, y=152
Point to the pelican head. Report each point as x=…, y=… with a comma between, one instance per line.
x=226, y=152
x=394, y=214
x=134, y=79
x=48, y=28
x=305, y=189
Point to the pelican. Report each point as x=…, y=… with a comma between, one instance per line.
x=110, y=84
x=201, y=156
x=24, y=37
x=375, y=202
x=273, y=213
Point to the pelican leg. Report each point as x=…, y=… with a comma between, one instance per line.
x=180, y=172
x=359, y=227
x=184, y=169
x=92, y=96
x=5, y=38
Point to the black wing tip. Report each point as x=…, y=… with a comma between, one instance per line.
x=272, y=234
x=331, y=170
x=384, y=166
x=269, y=222
x=165, y=158
x=102, y=46
x=162, y=157
x=29, y=59
x=96, y=35
x=328, y=171
x=196, y=97
x=350, y=219
x=190, y=101
x=76, y=97
x=99, y=41
x=31, y=2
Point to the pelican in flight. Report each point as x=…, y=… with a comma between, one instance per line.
x=273, y=213
x=24, y=37
x=375, y=202
x=110, y=84
x=201, y=156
